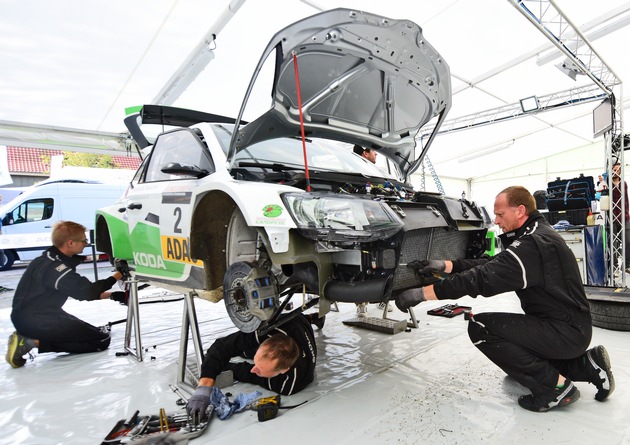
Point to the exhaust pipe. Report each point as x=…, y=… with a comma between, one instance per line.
x=368, y=291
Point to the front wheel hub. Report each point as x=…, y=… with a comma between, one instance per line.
x=250, y=294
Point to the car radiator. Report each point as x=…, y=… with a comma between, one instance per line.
x=429, y=244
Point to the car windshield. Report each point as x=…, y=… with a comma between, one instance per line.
x=289, y=152
x=322, y=155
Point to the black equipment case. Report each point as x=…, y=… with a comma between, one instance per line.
x=570, y=194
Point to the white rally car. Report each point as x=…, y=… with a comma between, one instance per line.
x=254, y=212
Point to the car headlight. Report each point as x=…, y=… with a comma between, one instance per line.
x=339, y=218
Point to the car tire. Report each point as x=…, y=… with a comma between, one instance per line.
x=610, y=315
x=7, y=258
x=610, y=307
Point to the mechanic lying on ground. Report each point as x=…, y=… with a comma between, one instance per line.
x=284, y=360
x=543, y=349
x=44, y=288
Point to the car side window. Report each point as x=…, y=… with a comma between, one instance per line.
x=181, y=150
x=32, y=210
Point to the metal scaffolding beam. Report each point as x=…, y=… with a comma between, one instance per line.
x=551, y=21
x=583, y=59
x=549, y=102
x=63, y=138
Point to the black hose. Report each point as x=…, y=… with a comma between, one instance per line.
x=368, y=291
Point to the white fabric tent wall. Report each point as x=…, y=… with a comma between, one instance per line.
x=452, y=186
x=588, y=160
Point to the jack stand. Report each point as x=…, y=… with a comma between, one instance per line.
x=414, y=321
x=133, y=319
x=189, y=322
x=386, y=309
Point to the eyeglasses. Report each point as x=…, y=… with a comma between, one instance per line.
x=84, y=241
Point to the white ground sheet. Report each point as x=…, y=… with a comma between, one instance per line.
x=427, y=386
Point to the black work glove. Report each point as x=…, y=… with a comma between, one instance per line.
x=119, y=296
x=198, y=402
x=423, y=267
x=122, y=267
x=409, y=298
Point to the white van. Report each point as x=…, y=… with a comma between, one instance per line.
x=27, y=220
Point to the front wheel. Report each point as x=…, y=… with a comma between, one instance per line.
x=7, y=258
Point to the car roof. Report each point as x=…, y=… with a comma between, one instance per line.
x=363, y=79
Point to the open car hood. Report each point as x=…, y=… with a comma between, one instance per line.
x=363, y=79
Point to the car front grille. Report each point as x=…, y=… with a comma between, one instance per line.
x=429, y=244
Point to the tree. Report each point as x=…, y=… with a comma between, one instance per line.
x=80, y=159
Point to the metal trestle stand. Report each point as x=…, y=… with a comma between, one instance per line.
x=189, y=323
x=133, y=321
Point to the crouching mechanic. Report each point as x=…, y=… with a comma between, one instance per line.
x=48, y=281
x=544, y=348
x=284, y=361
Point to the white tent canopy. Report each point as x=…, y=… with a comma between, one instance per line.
x=79, y=65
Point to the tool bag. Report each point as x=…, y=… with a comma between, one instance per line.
x=570, y=194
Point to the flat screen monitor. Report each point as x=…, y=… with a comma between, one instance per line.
x=602, y=118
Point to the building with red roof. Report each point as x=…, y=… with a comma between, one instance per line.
x=30, y=165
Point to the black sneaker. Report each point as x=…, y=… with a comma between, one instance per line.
x=18, y=346
x=604, y=381
x=558, y=397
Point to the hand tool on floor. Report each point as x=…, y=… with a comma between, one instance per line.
x=449, y=310
x=267, y=407
x=176, y=390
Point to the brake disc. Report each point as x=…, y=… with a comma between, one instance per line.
x=250, y=295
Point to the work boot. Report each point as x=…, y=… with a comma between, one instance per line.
x=558, y=397
x=603, y=380
x=18, y=346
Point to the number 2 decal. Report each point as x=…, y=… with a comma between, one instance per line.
x=178, y=213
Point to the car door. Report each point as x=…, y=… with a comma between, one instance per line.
x=159, y=207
